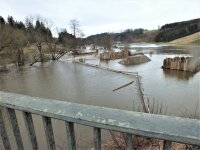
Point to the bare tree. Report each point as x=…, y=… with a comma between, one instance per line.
x=39, y=31
x=107, y=42
x=78, y=34
x=52, y=46
x=19, y=41
x=75, y=27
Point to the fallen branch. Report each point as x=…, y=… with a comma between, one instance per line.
x=60, y=55
x=34, y=61
x=123, y=86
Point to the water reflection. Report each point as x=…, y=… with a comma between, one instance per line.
x=71, y=82
x=176, y=90
x=179, y=75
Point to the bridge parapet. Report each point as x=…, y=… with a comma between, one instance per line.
x=167, y=128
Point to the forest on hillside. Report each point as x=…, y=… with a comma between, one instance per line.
x=127, y=36
x=177, y=30
x=166, y=33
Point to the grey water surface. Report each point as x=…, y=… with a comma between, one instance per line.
x=176, y=91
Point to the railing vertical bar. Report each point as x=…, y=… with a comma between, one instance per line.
x=97, y=138
x=30, y=129
x=167, y=145
x=129, y=144
x=70, y=135
x=13, y=121
x=49, y=133
x=3, y=133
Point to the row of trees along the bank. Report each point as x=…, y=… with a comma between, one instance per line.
x=16, y=36
x=106, y=40
x=177, y=30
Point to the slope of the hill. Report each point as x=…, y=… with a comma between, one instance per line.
x=173, y=31
x=193, y=38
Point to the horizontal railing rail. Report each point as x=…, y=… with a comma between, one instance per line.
x=168, y=128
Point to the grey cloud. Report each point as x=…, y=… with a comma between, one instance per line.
x=104, y=15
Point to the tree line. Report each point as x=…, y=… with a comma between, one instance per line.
x=33, y=40
x=127, y=36
x=173, y=31
x=36, y=32
x=166, y=33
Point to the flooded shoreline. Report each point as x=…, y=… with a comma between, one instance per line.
x=65, y=80
x=176, y=91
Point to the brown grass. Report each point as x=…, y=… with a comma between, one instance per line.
x=116, y=141
x=193, y=38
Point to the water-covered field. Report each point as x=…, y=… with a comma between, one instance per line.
x=177, y=92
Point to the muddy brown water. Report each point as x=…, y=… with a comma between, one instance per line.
x=179, y=91
x=71, y=82
x=67, y=81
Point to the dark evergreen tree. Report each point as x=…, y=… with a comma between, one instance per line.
x=20, y=25
x=29, y=27
x=40, y=28
x=11, y=21
x=37, y=25
x=2, y=21
x=64, y=35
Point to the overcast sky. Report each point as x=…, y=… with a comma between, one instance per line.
x=96, y=16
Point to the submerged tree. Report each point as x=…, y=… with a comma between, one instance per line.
x=38, y=34
x=41, y=34
x=52, y=46
x=19, y=41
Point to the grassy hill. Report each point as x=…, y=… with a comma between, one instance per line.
x=193, y=38
x=173, y=31
x=166, y=33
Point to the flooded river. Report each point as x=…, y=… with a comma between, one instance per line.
x=177, y=90
x=63, y=80
x=71, y=82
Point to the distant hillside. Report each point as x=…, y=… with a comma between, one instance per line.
x=127, y=36
x=166, y=33
x=193, y=38
x=170, y=32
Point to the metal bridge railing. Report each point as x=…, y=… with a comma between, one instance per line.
x=168, y=128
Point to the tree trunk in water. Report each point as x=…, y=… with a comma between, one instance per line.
x=20, y=57
x=39, y=46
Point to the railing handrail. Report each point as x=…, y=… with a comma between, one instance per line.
x=170, y=128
